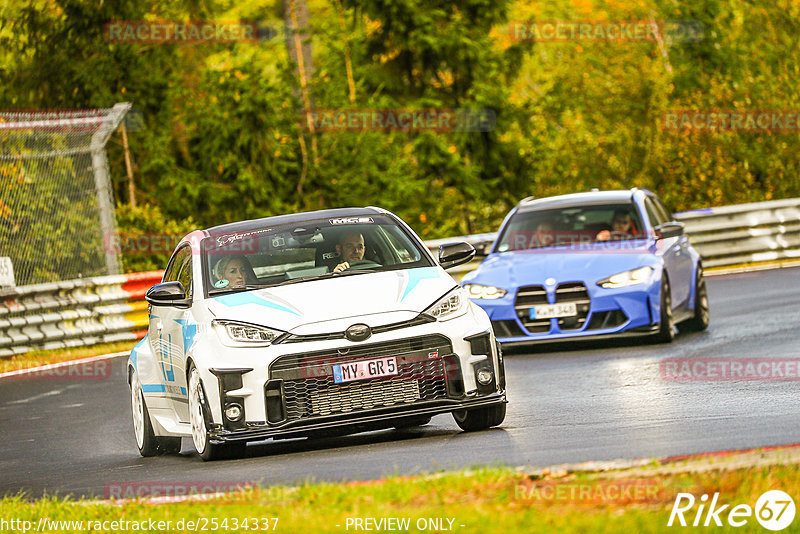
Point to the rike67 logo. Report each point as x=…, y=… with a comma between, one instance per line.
x=774, y=510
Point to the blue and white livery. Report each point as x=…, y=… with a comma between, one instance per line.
x=329, y=321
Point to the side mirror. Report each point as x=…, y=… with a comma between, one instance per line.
x=453, y=254
x=670, y=229
x=168, y=294
x=483, y=248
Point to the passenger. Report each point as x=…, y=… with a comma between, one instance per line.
x=236, y=270
x=544, y=234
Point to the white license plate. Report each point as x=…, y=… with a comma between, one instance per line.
x=552, y=311
x=364, y=369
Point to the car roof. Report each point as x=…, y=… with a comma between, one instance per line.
x=577, y=199
x=253, y=224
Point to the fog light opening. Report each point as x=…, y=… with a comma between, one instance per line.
x=484, y=377
x=233, y=411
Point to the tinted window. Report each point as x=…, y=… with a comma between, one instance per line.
x=185, y=274
x=662, y=209
x=176, y=263
x=290, y=253
x=655, y=215
x=569, y=226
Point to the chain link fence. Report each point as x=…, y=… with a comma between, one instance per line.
x=56, y=201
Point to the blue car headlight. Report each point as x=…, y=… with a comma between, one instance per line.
x=236, y=334
x=478, y=291
x=627, y=278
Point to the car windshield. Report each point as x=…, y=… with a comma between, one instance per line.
x=574, y=225
x=307, y=250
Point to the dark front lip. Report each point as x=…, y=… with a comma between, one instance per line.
x=641, y=331
x=365, y=417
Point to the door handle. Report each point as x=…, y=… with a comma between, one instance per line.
x=159, y=326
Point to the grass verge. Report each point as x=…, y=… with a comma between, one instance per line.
x=479, y=500
x=36, y=358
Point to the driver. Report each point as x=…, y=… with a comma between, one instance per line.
x=621, y=227
x=350, y=248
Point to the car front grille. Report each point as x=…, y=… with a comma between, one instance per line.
x=309, y=390
x=573, y=292
x=530, y=296
x=527, y=297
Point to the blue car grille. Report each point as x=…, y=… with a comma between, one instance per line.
x=573, y=292
x=527, y=297
x=530, y=296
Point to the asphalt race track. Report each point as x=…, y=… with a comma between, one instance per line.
x=567, y=404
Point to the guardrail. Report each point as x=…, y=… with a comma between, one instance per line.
x=73, y=313
x=112, y=308
x=745, y=233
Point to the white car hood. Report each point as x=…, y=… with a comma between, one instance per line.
x=333, y=304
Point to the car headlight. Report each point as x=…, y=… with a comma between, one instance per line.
x=478, y=291
x=233, y=333
x=452, y=305
x=627, y=278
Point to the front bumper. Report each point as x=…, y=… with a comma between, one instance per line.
x=294, y=392
x=612, y=313
x=354, y=422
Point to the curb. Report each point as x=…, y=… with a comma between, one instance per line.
x=689, y=463
x=748, y=268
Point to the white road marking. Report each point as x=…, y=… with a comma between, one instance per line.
x=37, y=397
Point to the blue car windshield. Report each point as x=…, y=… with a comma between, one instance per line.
x=574, y=225
x=307, y=250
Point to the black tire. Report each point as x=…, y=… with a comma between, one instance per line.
x=412, y=422
x=699, y=321
x=199, y=419
x=146, y=440
x=480, y=418
x=666, y=329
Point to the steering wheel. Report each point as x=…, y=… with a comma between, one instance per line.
x=363, y=264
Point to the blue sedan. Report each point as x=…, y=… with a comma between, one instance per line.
x=595, y=264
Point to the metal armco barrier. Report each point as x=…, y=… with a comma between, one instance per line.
x=112, y=308
x=745, y=233
x=73, y=313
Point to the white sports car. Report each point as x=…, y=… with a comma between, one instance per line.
x=333, y=321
